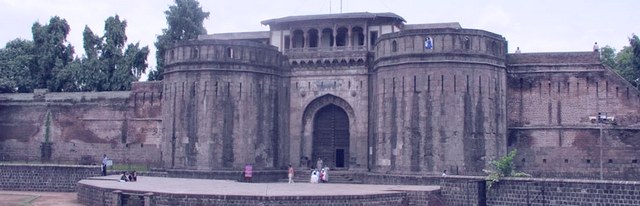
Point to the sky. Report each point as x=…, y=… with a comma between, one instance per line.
x=532, y=25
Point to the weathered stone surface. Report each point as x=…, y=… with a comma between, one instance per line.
x=418, y=99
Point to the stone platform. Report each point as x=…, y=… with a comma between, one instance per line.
x=181, y=191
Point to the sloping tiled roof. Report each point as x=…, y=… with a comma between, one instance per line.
x=358, y=15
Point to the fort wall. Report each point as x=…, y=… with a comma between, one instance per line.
x=224, y=105
x=81, y=127
x=438, y=108
x=553, y=101
x=48, y=178
x=461, y=190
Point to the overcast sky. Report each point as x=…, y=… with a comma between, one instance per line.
x=532, y=25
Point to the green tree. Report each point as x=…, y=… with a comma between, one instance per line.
x=503, y=167
x=16, y=61
x=185, y=21
x=626, y=62
x=634, y=41
x=115, y=38
x=608, y=56
x=624, y=65
x=92, y=43
x=108, y=66
x=91, y=75
x=52, y=53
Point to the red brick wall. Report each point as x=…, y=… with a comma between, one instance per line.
x=123, y=125
x=549, y=105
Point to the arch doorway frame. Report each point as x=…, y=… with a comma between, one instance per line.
x=308, y=117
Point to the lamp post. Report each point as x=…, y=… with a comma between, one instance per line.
x=601, y=146
x=602, y=119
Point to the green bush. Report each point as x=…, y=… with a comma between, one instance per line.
x=139, y=168
x=503, y=167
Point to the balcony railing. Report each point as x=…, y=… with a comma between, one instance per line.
x=326, y=49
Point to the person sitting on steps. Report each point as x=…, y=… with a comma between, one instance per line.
x=124, y=177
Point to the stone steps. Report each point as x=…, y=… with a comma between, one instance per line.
x=343, y=177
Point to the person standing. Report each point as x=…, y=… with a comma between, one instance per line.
x=326, y=174
x=319, y=163
x=105, y=160
x=314, y=176
x=248, y=172
x=290, y=174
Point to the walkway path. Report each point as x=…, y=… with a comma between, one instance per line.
x=227, y=187
x=23, y=198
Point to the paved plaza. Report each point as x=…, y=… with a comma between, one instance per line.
x=24, y=198
x=228, y=187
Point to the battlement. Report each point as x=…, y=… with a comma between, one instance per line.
x=223, y=54
x=63, y=96
x=440, y=45
x=553, y=58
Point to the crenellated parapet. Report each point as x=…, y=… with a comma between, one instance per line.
x=440, y=45
x=223, y=55
x=438, y=100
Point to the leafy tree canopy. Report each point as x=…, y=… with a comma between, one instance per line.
x=184, y=21
x=626, y=62
x=16, y=61
x=52, y=52
x=109, y=66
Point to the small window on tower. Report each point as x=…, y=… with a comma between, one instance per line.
x=229, y=52
x=394, y=46
x=467, y=43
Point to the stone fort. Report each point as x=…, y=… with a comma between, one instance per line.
x=363, y=91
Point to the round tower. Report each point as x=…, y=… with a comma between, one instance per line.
x=438, y=101
x=221, y=108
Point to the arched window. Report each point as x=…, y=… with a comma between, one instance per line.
x=298, y=39
x=327, y=38
x=171, y=55
x=341, y=37
x=313, y=37
x=394, y=46
x=428, y=43
x=357, y=36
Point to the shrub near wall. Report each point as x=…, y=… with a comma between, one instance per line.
x=49, y=178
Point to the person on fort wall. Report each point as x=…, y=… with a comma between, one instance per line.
x=290, y=172
x=105, y=161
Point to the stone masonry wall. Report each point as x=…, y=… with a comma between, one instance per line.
x=460, y=190
x=83, y=126
x=49, y=178
x=563, y=192
x=553, y=101
x=441, y=108
x=222, y=106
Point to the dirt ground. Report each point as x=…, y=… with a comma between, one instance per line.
x=23, y=198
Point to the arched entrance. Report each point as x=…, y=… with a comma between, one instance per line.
x=331, y=136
